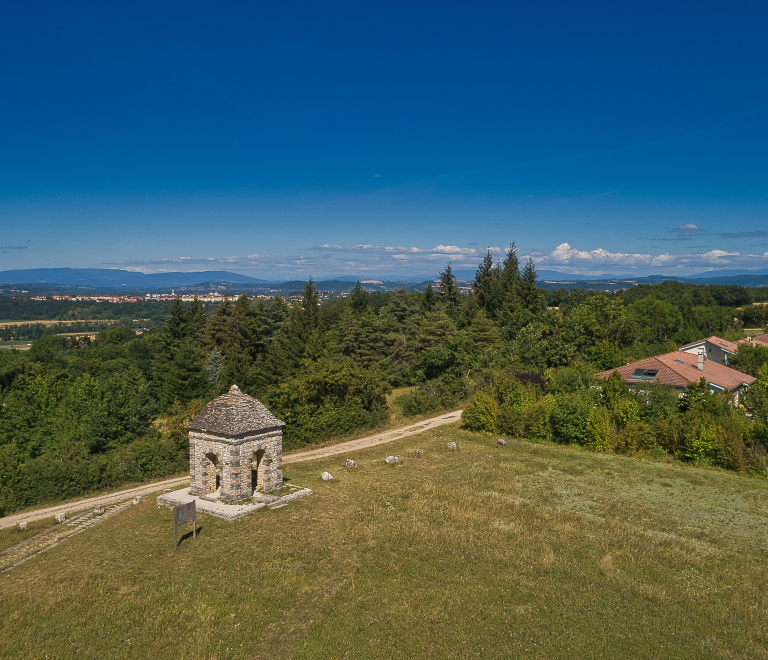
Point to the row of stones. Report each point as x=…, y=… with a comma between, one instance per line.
x=62, y=517
x=392, y=460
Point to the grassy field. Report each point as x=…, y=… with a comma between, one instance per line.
x=533, y=551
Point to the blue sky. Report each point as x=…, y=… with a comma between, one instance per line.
x=289, y=139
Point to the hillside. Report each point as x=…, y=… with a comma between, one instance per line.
x=529, y=550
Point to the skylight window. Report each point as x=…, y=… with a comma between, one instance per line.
x=644, y=374
x=680, y=361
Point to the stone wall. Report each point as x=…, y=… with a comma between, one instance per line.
x=235, y=457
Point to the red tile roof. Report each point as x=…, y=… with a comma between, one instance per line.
x=679, y=369
x=728, y=346
x=761, y=339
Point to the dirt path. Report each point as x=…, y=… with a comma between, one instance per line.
x=371, y=440
x=296, y=457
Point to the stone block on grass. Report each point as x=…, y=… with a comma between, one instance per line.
x=327, y=476
x=351, y=463
x=392, y=460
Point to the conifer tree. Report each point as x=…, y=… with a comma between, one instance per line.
x=448, y=288
x=196, y=319
x=428, y=302
x=487, y=283
x=185, y=378
x=358, y=299
x=530, y=297
x=510, y=272
x=176, y=325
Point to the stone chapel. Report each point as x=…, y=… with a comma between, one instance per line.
x=235, y=448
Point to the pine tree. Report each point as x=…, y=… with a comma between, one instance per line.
x=196, y=319
x=448, y=289
x=185, y=378
x=428, y=302
x=510, y=272
x=530, y=297
x=487, y=283
x=358, y=299
x=176, y=325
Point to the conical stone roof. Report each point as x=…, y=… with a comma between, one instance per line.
x=235, y=414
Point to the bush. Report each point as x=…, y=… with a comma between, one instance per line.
x=480, y=414
x=537, y=420
x=438, y=394
x=635, y=436
x=598, y=430
x=569, y=418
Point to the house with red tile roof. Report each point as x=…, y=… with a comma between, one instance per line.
x=680, y=368
x=714, y=348
x=760, y=340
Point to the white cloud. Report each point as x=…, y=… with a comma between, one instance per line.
x=598, y=259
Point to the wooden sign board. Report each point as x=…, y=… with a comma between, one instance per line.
x=184, y=513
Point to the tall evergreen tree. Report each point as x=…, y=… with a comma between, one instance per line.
x=196, y=319
x=487, y=283
x=530, y=297
x=176, y=324
x=358, y=299
x=428, y=302
x=448, y=288
x=510, y=272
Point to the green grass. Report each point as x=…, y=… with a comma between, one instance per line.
x=530, y=550
x=13, y=535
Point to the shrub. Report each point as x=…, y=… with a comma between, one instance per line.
x=480, y=414
x=537, y=420
x=635, y=436
x=597, y=435
x=569, y=418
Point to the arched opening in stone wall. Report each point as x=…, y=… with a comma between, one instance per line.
x=211, y=473
x=257, y=456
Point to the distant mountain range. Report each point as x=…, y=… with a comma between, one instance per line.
x=106, y=278
x=113, y=279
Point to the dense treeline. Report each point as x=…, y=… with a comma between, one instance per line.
x=17, y=308
x=77, y=416
x=30, y=331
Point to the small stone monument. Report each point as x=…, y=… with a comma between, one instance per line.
x=22, y=525
x=60, y=517
x=235, y=448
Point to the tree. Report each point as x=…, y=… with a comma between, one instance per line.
x=428, y=302
x=448, y=289
x=656, y=320
x=530, y=296
x=176, y=325
x=510, y=272
x=196, y=319
x=487, y=284
x=358, y=299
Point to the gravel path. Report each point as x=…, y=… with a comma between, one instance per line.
x=371, y=440
x=308, y=455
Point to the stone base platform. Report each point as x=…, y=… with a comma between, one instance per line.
x=214, y=507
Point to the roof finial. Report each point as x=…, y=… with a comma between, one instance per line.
x=234, y=389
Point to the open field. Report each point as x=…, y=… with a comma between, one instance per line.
x=19, y=345
x=527, y=550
